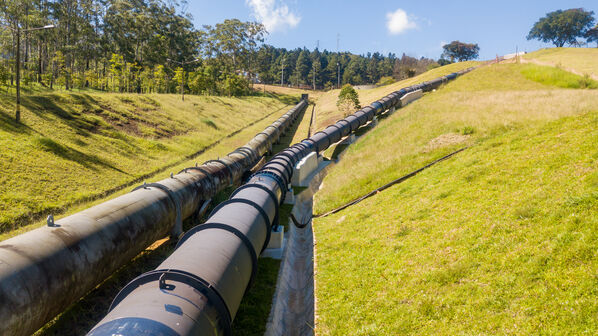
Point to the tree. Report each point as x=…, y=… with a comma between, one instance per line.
x=560, y=27
x=302, y=67
x=592, y=35
x=348, y=100
x=460, y=51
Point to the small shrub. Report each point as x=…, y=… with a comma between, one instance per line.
x=348, y=100
x=467, y=130
x=585, y=82
x=385, y=81
x=210, y=123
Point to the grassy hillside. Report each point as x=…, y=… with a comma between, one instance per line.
x=580, y=60
x=327, y=112
x=73, y=147
x=500, y=239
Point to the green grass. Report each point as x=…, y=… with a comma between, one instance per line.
x=488, y=101
x=500, y=239
x=75, y=147
x=558, y=77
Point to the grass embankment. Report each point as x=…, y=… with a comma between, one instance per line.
x=327, y=112
x=500, y=239
x=579, y=60
x=75, y=147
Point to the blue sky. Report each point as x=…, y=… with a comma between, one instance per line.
x=417, y=28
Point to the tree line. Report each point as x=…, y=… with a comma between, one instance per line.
x=150, y=46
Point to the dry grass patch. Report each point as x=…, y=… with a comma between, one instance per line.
x=327, y=111
x=580, y=60
x=444, y=140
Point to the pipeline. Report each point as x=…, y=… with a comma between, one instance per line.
x=198, y=288
x=44, y=271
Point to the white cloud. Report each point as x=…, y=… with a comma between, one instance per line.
x=398, y=22
x=273, y=14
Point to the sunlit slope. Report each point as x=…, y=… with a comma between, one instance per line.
x=485, y=102
x=327, y=112
x=72, y=147
x=500, y=239
x=580, y=60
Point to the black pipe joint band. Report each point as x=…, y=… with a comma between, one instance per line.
x=281, y=174
x=254, y=205
x=278, y=181
x=288, y=165
x=177, y=229
x=201, y=170
x=275, y=222
x=202, y=286
x=234, y=231
x=232, y=175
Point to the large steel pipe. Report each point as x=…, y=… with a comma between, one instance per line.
x=44, y=271
x=198, y=289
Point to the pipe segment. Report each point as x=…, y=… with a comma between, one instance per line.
x=221, y=253
x=44, y=271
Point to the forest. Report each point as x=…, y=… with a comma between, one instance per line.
x=153, y=46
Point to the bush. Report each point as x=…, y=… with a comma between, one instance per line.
x=235, y=85
x=385, y=81
x=348, y=100
x=467, y=130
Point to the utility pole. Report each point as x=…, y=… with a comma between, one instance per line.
x=313, y=67
x=338, y=64
x=282, y=74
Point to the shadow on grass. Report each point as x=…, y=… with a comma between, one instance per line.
x=74, y=155
x=9, y=124
x=42, y=105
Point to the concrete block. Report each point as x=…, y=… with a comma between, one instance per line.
x=348, y=140
x=303, y=169
x=276, y=237
x=373, y=123
x=289, y=198
x=275, y=248
x=411, y=96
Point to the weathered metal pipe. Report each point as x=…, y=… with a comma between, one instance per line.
x=44, y=271
x=198, y=289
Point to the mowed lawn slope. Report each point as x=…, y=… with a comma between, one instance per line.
x=73, y=147
x=500, y=239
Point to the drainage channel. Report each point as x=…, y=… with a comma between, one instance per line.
x=294, y=305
